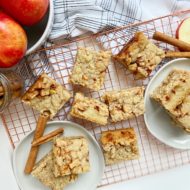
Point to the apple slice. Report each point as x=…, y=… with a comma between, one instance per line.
x=183, y=31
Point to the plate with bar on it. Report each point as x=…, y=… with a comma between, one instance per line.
x=163, y=105
x=45, y=161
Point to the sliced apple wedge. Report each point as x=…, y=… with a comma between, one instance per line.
x=183, y=31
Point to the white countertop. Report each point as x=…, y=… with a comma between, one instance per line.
x=174, y=179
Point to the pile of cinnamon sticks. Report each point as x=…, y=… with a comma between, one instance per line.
x=182, y=46
x=48, y=137
x=38, y=140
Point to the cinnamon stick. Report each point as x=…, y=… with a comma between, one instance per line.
x=172, y=41
x=177, y=54
x=42, y=120
x=48, y=137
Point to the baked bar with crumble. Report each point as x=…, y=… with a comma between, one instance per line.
x=181, y=115
x=46, y=95
x=89, y=109
x=119, y=145
x=71, y=156
x=140, y=56
x=125, y=104
x=174, y=95
x=43, y=171
x=90, y=68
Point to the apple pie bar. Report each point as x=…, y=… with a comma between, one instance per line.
x=140, y=56
x=90, y=109
x=119, y=145
x=174, y=95
x=46, y=95
x=71, y=156
x=90, y=68
x=43, y=171
x=125, y=104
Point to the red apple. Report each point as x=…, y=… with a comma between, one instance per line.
x=26, y=12
x=183, y=31
x=13, y=41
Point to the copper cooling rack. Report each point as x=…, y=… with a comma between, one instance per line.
x=57, y=61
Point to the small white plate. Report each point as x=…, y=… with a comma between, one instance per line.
x=157, y=120
x=87, y=181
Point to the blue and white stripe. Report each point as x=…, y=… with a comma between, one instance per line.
x=74, y=17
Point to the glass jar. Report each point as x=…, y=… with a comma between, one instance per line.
x=11, y=87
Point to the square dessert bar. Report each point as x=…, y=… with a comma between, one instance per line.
x=46, y=95
x=125, y=104
x=119, y=145
x=90, y=68
x=140, y=56
x=90, y=109
x=174, y=95
x=71, y=156
x=43, y=171
x=181, y=115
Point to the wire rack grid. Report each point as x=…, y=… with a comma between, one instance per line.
x=58, y=60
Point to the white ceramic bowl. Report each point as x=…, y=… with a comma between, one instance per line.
x=86, y=181
x=157, y=119
x=38, y=34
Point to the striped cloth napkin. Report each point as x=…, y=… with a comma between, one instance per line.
x=75, y=17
